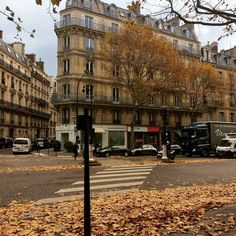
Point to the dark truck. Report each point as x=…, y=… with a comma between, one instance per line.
x=201, y=138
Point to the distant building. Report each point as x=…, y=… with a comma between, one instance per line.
x=223, y=109
x=24, y=93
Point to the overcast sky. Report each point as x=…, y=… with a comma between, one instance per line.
x=44, y=45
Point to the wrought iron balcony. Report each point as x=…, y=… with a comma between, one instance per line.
x=73, y=21
x=21, y=109
x=17, y=72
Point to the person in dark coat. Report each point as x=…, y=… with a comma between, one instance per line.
x=75, y=150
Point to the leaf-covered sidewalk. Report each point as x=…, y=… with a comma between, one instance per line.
x=167, y=212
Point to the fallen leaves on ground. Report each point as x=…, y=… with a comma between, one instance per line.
x=133, y=213
x=40, y=168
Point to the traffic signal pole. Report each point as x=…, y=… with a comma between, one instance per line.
x=87, y=220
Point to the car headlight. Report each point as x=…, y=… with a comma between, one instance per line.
x=194, y=150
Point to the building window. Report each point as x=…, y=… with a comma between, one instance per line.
x=65, y=116
x=66, y=67
x=12, y=82
x=112, y=11
x=116, y=94
x=178, y=120
x=3, y=78
x=66, y=19
x=89, y=22
x=12, y=98
x=115, y=27
x=152, y=119
x=163, y=100
x=190, y=47
x=89, y=67
x=116, y=117
x=151, y=101
x=138, y=118
x=66, y=91
x=232, y=117
x=87, y=3
x=89, y=44
x=89, y=91
x=175, y=42
x=66, y=40
x=220, y=75
x=222, y=116
x=116, y=71
x=177, y=101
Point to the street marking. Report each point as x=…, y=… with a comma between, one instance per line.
x=68, y=190
x=115, y=175
x=131, y=168
x=80, y=196
x=110, y=180
x=123, y=171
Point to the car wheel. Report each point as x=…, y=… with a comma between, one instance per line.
x=204, y=153
x=126, y=154
x=154, y=153
x=107, y=154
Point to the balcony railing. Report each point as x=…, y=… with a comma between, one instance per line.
x=21, y=109
x=83, y=23
x=109, y=100
x=14, y=70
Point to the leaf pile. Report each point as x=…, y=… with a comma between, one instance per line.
x=135, y=213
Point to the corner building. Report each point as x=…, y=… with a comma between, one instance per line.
x=80, y=33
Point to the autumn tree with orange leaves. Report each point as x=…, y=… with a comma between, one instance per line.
x=147, y=64
x=203, y=86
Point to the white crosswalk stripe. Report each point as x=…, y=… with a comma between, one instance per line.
x=114, y=179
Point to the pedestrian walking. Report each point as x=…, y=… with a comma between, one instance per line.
x=75, y=150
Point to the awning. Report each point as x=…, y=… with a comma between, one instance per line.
x=99, y=130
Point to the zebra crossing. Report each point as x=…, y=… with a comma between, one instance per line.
x=109, y=181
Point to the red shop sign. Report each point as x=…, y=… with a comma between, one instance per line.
x=153, y=129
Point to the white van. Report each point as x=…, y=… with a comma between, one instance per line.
x=22, y=145
x=227, y=147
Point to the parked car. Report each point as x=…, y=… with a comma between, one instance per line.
x=176, y=148
x=39, y=143
x=112, y=151
x=22, y=145
x=9, y=142
x=145, y=149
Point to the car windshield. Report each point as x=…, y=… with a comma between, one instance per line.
x=225, y=143
x=21, y=141
x=188, y=133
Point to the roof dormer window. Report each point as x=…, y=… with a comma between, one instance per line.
x=186, y=33
x=87, y=3
x=147, y=20
x=112, y=11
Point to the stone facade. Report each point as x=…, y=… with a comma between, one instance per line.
x=24, y=93
x=80, y=35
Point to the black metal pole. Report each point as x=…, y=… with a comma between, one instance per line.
x=87, y=223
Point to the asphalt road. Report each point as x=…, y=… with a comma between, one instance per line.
x=27, y=185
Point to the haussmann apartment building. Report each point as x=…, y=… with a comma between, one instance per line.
x=80, y=34
x=24, y=94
